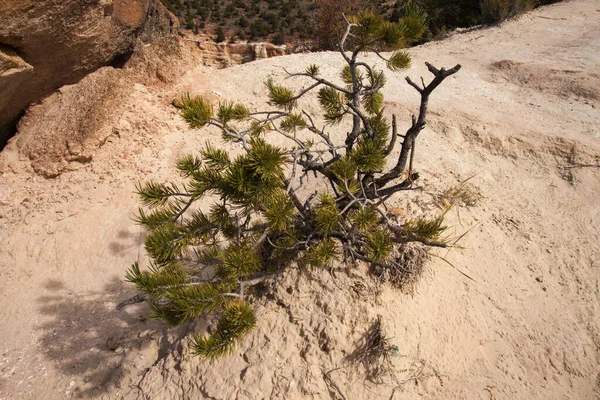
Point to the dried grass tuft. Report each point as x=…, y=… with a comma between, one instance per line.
x=464, y=194
x=407, y=269
x=375, y=352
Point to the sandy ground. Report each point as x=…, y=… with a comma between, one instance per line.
x=521, y=117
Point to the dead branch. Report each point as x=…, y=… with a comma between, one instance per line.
x=418, y=123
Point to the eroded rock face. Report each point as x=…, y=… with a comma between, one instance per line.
x=67, y=126
x=221, y=54
x=63, y=131
x=47, y=44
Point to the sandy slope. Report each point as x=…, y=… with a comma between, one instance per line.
x=521, y=115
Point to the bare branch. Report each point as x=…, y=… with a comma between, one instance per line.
x=394, y=139
x=411, y=83
x=419, y=123
x=319, y=81
x=345, y=37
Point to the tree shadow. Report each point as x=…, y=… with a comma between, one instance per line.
x=96, y=346
x=128, y=239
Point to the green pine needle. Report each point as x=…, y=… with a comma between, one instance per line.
x=379, y=244
x=381, y=128
x=399, y=61
x=196, y=111
x=214, y=157
x=201, y=226
x=157, y=217
x=279, y=211
x=312, y=70
x=424, y=228
x=157, y=281
x=327, y=217
x=364, y=218
x=369, y=155
x=191, y=301
x=368, y=26
x=266, y=161
x=377, y=79
x=205, y=181
x=237, y=320
x=345, y=170
x=221, y=217
x=232, y=111
x=166, y=312
x=280, y=96
x=166, y=243
x=346, y=75
x=322, y=254
x=188, y=165
x=154, y=194
x=285, y=251
x=413, y=24
x=332, y=103
x=373, y=102
x=391, y=36
x=292, y=122
x=259, y=128
x=239, y=262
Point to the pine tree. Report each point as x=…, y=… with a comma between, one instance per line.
x=220, y=35
x=208, y=261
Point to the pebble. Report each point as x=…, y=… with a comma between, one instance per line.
x=540, y=279
x=112, y=343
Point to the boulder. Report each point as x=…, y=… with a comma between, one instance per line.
x=68, y=125
x=47, y=44
x=64, y=130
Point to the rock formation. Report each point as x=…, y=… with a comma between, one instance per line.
x=225, y=54
x=65, y=129
x=47, y=44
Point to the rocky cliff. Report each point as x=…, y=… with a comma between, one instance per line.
x=47, y=44
x=63, y=130
x=223, y=55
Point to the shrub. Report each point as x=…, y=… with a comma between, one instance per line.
x=328, y=20
x=220, y=35
x=375, y=352
x=449, y=14
x=499, y=10
x=262, y=219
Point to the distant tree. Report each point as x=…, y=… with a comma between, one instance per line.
x=448, y=14
x=259, y=29
x=329, y=22
x=243, y=22
x=499, y=10
x=279, y=39
x=238, y=221
x=189, y=20
x=220, y=35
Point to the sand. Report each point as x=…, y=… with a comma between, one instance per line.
x=521, y=118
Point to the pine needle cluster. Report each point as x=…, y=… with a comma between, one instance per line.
x=234, y=222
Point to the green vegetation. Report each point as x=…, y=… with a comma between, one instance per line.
x=254, y=20
x=237, y=221
x=319, y=23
